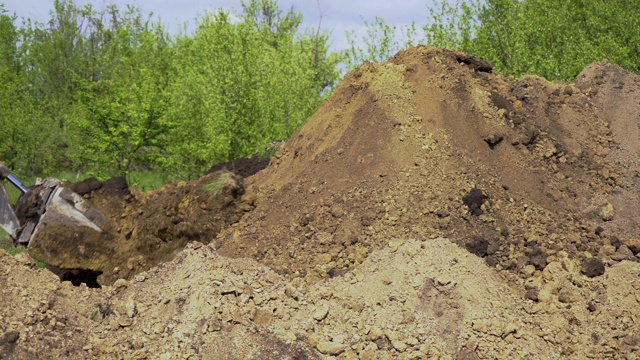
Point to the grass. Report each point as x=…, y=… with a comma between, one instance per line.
x=214, y=186
x=6, y=243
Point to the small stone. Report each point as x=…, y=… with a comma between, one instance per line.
x=399, y=345
x=120, y=283
x=568, y=295
x=632, y=340
x=9, y=337
x=532, y=294
x=375, y=333
x=158, y=328
x=330, y=348
x=467, y=354
x=412, y=341
x=592, y=267
x=634, y=246
x=568, y=90
x=262, y=317
x=337, y=211
x=607, y=250
x=291, y=291
x=125, y=322
x=607, y=212
x=130, y=306
x=368, y=355
x=480, y=326
x=529, y=270
x=623, y=253
x=165, y=356
x=321, y=312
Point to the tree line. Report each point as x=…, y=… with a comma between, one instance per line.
x=111, y=91
x=107, y=92
x=551, y=39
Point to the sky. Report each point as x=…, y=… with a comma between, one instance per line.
x=338, y=16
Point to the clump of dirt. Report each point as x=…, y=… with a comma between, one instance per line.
x=244, y=167
x=144, y=229
x=251, y=165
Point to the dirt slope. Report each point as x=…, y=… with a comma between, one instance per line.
x=429, y=209
x=401, y=146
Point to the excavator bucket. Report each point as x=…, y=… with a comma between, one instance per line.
x=50, y=206
x=49, y=211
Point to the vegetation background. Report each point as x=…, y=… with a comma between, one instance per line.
x=112, y=93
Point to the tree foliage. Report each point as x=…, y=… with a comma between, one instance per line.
x=110, y=91
x=553, y=39
x=242, y=84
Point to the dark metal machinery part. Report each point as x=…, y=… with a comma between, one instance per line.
x=8, y=220
x=29, y=227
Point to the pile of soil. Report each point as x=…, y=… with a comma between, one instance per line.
x=429, y=209
x=411, y=300
x=433, y=144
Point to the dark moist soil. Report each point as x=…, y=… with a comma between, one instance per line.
x=243, y=167
x=144, y=229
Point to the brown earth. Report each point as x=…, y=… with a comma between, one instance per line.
x=143, y=229
x=429, y=209
x=424, y=146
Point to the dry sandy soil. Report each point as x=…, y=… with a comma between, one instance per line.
x=430, y=209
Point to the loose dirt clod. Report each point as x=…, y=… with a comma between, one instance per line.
x=429, y=209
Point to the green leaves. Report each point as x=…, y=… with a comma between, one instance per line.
x=123, y=102
x=240, y=85
x=552, y=39
x=111, y=92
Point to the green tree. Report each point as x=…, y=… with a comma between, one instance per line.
x=551, y=39
x=242, y=84
x=108, y=92
x=548, y=38
x=381, y=42
x=123, y=98
x=27, y=145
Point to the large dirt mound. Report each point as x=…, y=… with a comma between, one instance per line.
x=431, y=143
x=429, y=209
